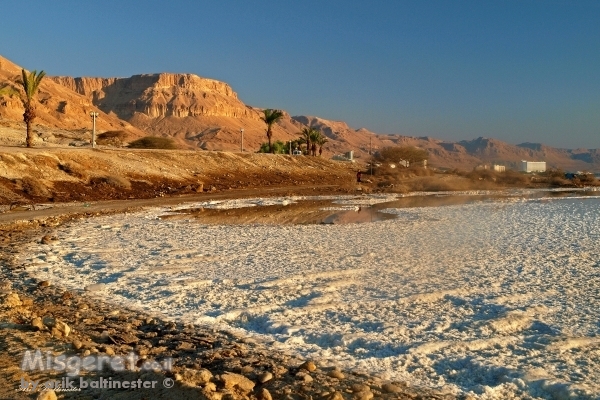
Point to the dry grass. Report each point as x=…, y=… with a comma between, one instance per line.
x=112, y=138
x=115, y=181
x=153, y=142
x=74, y=169
x=33, y=187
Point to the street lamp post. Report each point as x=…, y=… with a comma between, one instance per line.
x=94, y=115
x=371, y=152
x=242, y=143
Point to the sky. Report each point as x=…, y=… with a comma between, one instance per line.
x=519, y=71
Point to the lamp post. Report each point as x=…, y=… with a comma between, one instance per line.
x=242, y=143
x=371, y=152
x=94, y=115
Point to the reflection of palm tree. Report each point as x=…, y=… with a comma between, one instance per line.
x=30, y=84
x=271, y=116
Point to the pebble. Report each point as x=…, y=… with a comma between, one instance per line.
x=37, y=323
x=336, y=396
x=47, y=395
x=309, y=366
x=264, y=395
x=231, y=380
x=12, y=300
x=390, y=388
x=336, y=373
x=265, y=377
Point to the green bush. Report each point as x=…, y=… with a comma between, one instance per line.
x=153, y=142
x=278, y=147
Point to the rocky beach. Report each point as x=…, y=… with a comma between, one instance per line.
x=206, y=363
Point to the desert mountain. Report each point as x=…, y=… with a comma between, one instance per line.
x=207, y=114
x=59, y=108
x=204, y=112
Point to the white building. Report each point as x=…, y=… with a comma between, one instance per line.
x=499, y=168
x=533, y=166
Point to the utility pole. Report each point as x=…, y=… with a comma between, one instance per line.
x=242, y=143
x=371, y=152
x=94, y=115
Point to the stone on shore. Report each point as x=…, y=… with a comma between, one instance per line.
x=309, y=366
x=390, y=388
x=267, y=376
x=47, y=395
x=264, y=395
x=38, y=324
x=193, y=377
x=12, y=300
x=336, y=373
x=231, y=380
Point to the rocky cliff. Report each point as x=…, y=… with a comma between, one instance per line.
x=161, y=95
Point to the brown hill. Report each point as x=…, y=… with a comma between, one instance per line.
x=59, y=108
x=204, y=112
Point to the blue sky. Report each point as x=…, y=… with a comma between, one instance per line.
x=514, y=70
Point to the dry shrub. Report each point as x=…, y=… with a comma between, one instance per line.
x=434, y=184
x=112, y=138
x=115, y=181
x=153, y=142
x=395, y=154
x=34, y=187
x=556, y=181
x=513, y=178
x=385, y=170
x=73, y=169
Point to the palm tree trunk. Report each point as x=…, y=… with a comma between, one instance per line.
x=269, y=134
x=29, y=139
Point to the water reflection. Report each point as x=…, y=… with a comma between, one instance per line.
x=328, y=212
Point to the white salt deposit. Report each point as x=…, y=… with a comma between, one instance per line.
x=497, y=299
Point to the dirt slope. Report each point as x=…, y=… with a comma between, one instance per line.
x=65, y=174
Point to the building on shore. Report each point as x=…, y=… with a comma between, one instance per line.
x=499, y=168
x=533, y=166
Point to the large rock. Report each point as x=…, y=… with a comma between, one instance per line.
x=193, y=377
x=233, y=381
x=12, y=300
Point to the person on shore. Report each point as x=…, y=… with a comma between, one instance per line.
x=358, y=176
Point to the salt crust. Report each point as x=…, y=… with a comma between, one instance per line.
x=500, y=299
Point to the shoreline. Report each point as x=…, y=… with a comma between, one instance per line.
x=237, y=365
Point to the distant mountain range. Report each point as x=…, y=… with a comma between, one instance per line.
x=207, y=114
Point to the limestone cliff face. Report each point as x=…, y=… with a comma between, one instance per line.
x=161, y=95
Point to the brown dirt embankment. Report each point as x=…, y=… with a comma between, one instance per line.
x=75, y=174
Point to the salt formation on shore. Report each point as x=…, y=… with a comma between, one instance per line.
x=498, y=298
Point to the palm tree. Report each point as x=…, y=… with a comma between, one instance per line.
x=322, y=140
x=315, y=136
x=30, y=84
x=271, y=116
x=306, y=138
